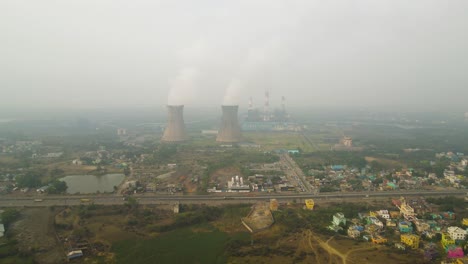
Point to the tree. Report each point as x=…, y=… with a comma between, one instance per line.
x=9, y=216
x=165, y=152
x=57, y=186
x=56, y=172
x=378, y=181
x=132, y=203
x=29, y=180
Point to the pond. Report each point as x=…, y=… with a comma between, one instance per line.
x=92, y=183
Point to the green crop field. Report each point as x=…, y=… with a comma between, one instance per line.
x=277, y=140
x=179, y=246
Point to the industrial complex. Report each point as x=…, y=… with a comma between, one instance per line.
x=230, y=130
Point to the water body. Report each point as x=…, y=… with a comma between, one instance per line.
x=92, y=183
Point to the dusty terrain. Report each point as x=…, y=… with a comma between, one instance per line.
x=35, y=234
x=101, y=228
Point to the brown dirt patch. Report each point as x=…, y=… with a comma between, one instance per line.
x=222, y=176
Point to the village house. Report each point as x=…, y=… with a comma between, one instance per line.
x=456, y=233
x=410, y=240
x=384, y=214
x=338, y=219
x=405, y=227
x=421, y=226
x=353, y=232
x=446, y=240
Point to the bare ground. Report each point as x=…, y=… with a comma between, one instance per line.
x=35, y=234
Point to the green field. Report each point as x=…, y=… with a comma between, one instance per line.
x=179, y=246
x=9, y=254
x=275, y=140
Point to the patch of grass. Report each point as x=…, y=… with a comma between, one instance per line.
x=9, y=253
x=448, y=203
x=179, y=246
x=17, y=260
x=276, y=140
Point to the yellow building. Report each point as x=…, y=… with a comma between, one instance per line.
x=379, y=240
x=462, y=260
x=446, y=240
x=411, y=240
x=309, y=204
x=465, y=222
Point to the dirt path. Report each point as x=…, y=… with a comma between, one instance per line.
x=306, y=241
x=331, y=250
x=345, y=257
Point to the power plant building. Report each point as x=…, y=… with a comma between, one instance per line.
x=267, y=120
x=230, y=131
x=236, y=184
x=175, y=129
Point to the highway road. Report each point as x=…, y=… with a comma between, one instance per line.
x=293, y=171
x=73, y=200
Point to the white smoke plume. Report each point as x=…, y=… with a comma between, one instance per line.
x=183, y=87
x=258, y=57
x=256, y=60
x=232, y=93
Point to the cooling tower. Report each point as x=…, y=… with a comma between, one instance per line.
x=229, y=131
x=175, y=129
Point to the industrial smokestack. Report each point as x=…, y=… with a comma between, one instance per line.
x=229, y=131
x=175, y=129
x=266, y=107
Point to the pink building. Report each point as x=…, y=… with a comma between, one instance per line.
x=456, y=252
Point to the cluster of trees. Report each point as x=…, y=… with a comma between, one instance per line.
x=29, y=180
x=291, y=220
x=33, y=180
x=165, y=152
x=294, y=220
x=448, y=203
x=328, y=188
x=317, y=160
x=57, y=172
x=198, y=215
x=56, y=187
x=9, y=216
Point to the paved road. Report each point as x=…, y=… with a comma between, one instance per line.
x=295, y=172
x=8, y=201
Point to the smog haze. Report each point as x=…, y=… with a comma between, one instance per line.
x=315, y=53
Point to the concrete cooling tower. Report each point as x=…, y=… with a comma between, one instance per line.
x=175, y=129
x=230, y=131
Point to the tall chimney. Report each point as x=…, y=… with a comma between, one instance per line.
x=229, y=131
x=266, y=107
x=283, y=104
x=175, y=129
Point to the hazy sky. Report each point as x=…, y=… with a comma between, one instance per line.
x=91, y=53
